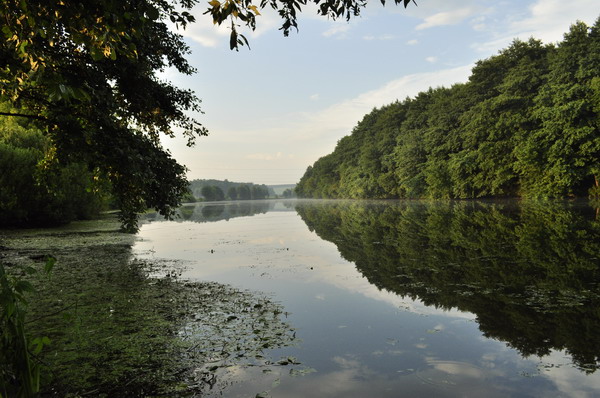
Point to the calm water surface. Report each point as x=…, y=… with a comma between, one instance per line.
x=407, y=299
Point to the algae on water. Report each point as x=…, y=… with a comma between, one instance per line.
x=116, y=330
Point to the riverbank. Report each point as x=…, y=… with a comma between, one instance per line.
x=116, y=329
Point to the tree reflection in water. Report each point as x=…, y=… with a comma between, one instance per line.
x=212, y=212
x=529, y=271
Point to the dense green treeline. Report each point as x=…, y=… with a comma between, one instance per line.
x=525, y=124
x=215, y=190
x=529, y=272
x=35, y=188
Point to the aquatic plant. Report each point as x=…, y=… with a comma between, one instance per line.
x=19, y=369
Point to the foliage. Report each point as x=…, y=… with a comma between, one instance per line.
x=188, y=197
x=117, y=331
x=525, y=124
x=36, y=188
x=234, y=190
x=212, y=193
x=246, y=12
x=529, y=272
x=19, y=370
x=86, y=75
x=232, y=193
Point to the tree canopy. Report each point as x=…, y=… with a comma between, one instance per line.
x=87, y=74
x=525, y=124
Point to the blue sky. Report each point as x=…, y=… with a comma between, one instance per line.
x=275, y=109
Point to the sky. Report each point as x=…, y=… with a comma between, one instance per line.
x=274, y=109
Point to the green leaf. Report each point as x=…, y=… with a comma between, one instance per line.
x=96, y=54
x=24, y=286
x=152, y=13
x=39, y=343
x=50, y=261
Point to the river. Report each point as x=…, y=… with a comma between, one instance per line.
x=404, y=298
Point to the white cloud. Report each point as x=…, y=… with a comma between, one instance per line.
x=382, y=37
x=478, y=24
x=446, y=18
x=568, y=379
x=550, y=19
x=314, y=97
x=344, y=115
x=338, y=29
x=205, y=33
x=431, y=60
x=480, y=27
x=310, y=135
x=546, y=20
x=412, y=42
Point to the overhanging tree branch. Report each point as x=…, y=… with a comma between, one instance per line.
x=12, y=114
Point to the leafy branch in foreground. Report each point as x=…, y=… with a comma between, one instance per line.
x=246, y=11
x=87, y=76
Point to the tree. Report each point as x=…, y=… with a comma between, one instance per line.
x=212, y=193
x=87, y=75
x=232, y=193
x=494, y=127
x=28, y=196
x=259, y=192
x=244, y=192
x=562, y=156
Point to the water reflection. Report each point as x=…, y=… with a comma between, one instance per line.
x=530, y=273
x=212, y=212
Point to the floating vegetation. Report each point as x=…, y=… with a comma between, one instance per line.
x=117, y=331
x=228, y=328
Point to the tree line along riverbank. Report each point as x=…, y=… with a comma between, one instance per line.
x=526, y=123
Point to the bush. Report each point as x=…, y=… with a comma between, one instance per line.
x=36, y=189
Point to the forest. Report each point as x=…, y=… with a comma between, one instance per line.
x=525, y=124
